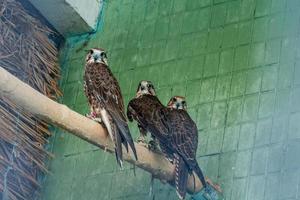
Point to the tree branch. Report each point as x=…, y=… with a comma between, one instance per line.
x=88, y=130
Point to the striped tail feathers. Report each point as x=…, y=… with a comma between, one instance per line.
x=119, y=133
x=181, y=176
x=182, y=171
x=114, y=135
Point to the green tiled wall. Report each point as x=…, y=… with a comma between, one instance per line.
x=238, y=64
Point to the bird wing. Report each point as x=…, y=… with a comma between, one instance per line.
x=184, y=134
x=148, y=112
x=106, y=90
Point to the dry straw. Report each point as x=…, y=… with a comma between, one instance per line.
x=26, y=52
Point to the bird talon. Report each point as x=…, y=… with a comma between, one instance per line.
x=93, y=117
x=141, y=140
x=152, y=145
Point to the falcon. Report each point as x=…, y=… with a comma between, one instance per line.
x=184, y=143
x=174, y=130
x=147, y=110
x=106, y=101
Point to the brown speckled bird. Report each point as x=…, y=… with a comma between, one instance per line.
x=184, y=142
x=173, y=128
x=106, y=102
x=147, y=110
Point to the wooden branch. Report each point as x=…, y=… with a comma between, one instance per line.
x=88, y=130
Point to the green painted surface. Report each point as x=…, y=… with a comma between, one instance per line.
x=238, y=63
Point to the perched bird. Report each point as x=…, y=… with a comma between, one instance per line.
x=147, y=110
x=106, y=102
x=174, y=130
x=184, y=142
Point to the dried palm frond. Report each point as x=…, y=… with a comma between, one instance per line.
x=27, y=52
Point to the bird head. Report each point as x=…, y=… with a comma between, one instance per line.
x=145, y=87
x=96, y=55
x=177, y=102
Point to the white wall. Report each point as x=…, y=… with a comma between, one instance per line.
x=70, y=17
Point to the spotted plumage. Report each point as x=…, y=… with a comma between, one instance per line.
x=173, y=128
x=106, y=102
x=147, y=110
x=184, y=141
x=143, y=107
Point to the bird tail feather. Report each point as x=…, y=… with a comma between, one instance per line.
x=118, y=150
x=181, y=177
x=125, y=135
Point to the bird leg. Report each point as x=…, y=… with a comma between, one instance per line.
x=93, y=116
x=143, y=133
x=153, y=144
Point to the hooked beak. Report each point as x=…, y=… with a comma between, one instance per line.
x=96, y=57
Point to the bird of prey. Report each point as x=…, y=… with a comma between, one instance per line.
x=147, y=110
x=184, y=142
x=106, y=102
x=173, y=128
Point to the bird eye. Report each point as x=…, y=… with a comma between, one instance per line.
x=103, y=54
x=183, y=102
x=174, y=99
x=91, y=51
